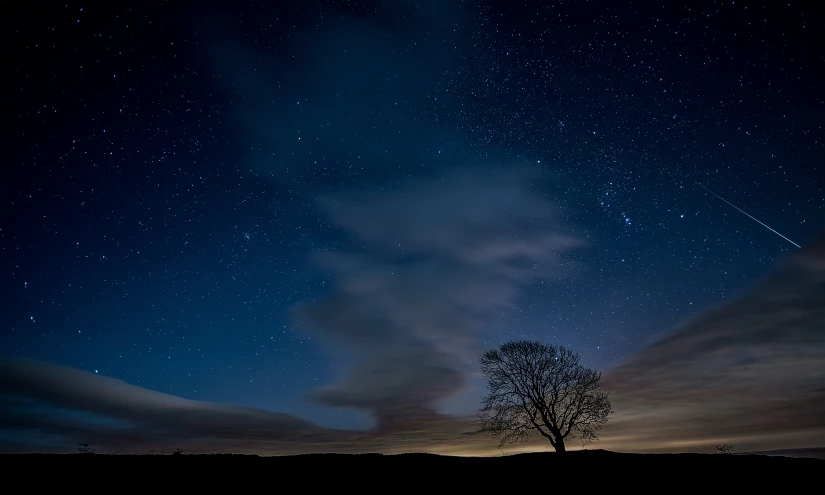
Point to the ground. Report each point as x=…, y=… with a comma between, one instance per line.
x=413, y=472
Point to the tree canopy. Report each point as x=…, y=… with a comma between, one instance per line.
x=541, y=388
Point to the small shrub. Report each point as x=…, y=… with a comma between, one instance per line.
x=85, y=449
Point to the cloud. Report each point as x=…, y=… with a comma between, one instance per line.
x=84, y=407
x=432, y=260
x=439, y=256
x=51, y=408
x=749, y=372
x=360, y=87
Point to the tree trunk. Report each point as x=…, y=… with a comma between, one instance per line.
x=559, y=446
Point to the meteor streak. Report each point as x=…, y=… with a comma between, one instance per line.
x=741, y=210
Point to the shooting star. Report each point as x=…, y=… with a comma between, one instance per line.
x=741, y=210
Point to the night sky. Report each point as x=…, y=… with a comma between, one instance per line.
x=319, y=214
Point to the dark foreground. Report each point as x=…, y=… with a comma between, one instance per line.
x=392, y=473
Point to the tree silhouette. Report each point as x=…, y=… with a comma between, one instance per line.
x=724, y=449
x=536, y=387
x=84, y=448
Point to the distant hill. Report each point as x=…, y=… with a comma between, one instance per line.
x=814, y=453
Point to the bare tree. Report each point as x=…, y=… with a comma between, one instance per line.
x=536, y=387
x=725, y=449
x=83, y=448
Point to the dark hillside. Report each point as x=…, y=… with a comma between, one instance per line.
x=372, y=471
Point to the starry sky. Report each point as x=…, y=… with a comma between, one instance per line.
x=318, y=214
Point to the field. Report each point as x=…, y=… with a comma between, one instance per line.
x=376, y=472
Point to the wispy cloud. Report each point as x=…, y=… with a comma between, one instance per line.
x=57, y=400
x=431, y=260
x=360, y=87
x=53, y=408
x=438, y=256
x=749, y=373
